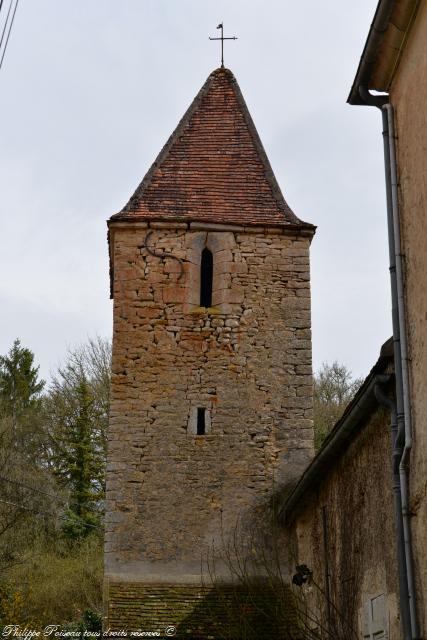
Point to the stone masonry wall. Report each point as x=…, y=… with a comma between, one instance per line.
x=357, y=550
x=247, y=360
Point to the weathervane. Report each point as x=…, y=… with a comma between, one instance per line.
x=220, y=26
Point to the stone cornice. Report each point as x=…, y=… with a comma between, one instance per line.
x=285, y=229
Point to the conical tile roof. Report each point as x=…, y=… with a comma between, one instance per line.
x=213, y=167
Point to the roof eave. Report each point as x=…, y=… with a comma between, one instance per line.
x=341, y=436
x=161, y=221
x=383, y=48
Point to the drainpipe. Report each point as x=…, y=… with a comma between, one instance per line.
x=327, y=574
x=403, y=409
x=388, y=117
x=397, y=450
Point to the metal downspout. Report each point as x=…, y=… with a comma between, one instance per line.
x=397, y=448
x=400, y=414
x=388, y=115
x=404, y=433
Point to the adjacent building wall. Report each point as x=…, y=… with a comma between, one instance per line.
x=357, y=547
x=172, y=494
x=409, y=96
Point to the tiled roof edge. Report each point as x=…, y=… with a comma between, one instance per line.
x=269, y=173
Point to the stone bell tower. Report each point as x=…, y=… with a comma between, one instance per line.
x=211, y=396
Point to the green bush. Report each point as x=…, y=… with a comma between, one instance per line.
x=57, y=586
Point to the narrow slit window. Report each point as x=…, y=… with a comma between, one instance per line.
x=201, y=421
x=206, y=277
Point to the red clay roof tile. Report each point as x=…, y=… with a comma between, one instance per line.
x=213, y=167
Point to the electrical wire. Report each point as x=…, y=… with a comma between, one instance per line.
x=25, y=486
x=8, y=34
x=49, y=495
x=5, y=24
x=48, y=513
x=13, y=504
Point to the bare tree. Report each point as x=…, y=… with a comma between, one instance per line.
x=250, y=594
x=334, y=387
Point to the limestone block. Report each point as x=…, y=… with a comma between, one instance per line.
x=194, y=256
x=172, y=266
x=195, y=240
x=227, y=309
x=174, y=294
x=223, y=256
x=220, y=241
x=234, y=295
x=221, y=281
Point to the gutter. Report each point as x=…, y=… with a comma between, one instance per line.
x=385, y=43
x=369, y=56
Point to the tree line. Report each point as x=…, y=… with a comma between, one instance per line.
x=52, y=487
x=53, y=440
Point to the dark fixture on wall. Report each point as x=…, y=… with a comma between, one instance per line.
x=302, y=575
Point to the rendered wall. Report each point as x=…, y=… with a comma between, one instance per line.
x=358, y=550
x=172, y=494
x=409, y=96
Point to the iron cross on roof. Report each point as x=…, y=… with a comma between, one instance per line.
x=220, y=26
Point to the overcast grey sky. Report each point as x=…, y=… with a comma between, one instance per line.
x=89, y=92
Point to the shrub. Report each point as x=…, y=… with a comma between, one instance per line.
x=57, y=586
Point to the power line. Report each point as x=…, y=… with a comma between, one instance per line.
x=10, y=29
x=49, y=513
x=49, y=495
x=20, y=484
x=5, y=24
x=13, y=504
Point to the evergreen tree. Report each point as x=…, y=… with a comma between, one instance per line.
x=20, y=387
x=25, y=485
x=77, y=416
x=20, y=403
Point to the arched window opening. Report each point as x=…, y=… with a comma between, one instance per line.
x=206, y=277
